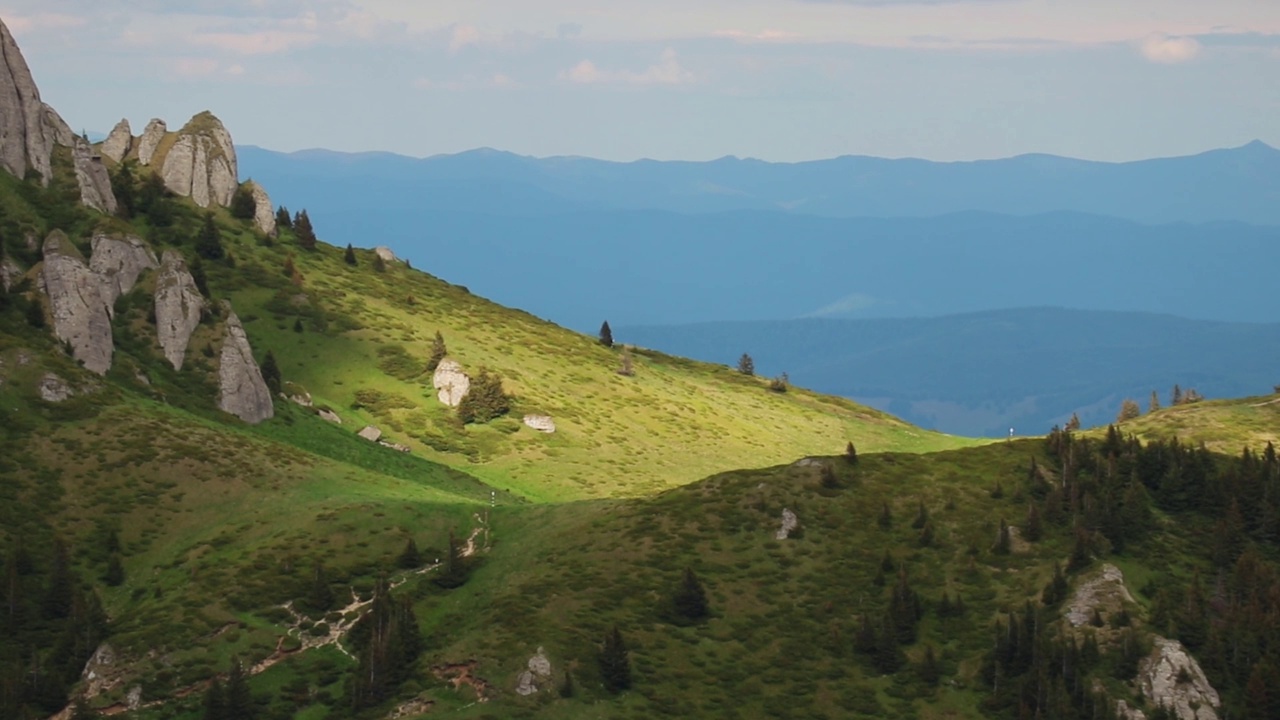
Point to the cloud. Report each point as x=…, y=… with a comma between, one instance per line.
x=462, y=36
x=568, y=30
x=667, y=71
x=1169, y=50
x=762, y=36
x=43, y=21
x=267, y=42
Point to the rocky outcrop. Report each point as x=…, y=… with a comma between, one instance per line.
x=450, y=382
x=92, y=177
x=80, y=315
x=118, y=261
x=178, y=306
x=537, y=676
x=789, y=524
x=370, y=433
x=201, y=164
x=241, y=389
x=25, y=140
x=385, y=253
x=54, y=389
x=264, y=214
x=1104, y=593
x=329, y=416
x=149, y=142
x=541, y=423
x=1171, y=678
x=9, y=273
x=119, y=142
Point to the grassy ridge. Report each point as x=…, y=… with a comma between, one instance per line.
x=1225, y=426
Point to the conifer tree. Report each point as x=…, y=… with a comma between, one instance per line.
x=1128, y=410
x=1034, y=529
x=124, y=187
x=114, y=576
x=566, y=687
x=922, y=517
x=215, y=701
x=349, y=257
x=930, y=673
x=828, y=478
x=209, y=240
x=243, y=206
x=1154, y=405
x=885, y=521
x=1074, y=423
x=850, y=453
x=438, y=352
x=1175, y=398
x=302, y=228
x=1002, y=540
x=60, y=588
x=456, y=569
x=926, y=535
x=240, y=704
x=615, y=662
x=283, y=218
x=690, y=598
x=35, y=313
x=320, y=599
x=485, y=399
x=379, y=265
x=746, y=365
x=409, y=557
x=606, y=335
x=271, y=373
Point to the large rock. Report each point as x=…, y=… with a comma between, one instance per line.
x=118, y=261
x=1104, y=593
x=450, y=382
x=54, y=389
x=119, y=142
x=9, y=273
x=80, y=315
x=92, y=177
x=541, y=423
x=202, y=162
x=241, y=389
x=178, y=307
x=788, y=525
x=264, y=214
x=1171, y=678
x=537, y=676
x=25, y=140
x=149, y=142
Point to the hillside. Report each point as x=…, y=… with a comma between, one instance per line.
x=1226, y=426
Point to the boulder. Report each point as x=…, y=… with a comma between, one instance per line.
x=241, y=389
x=149, y=142
x=25, y=138
x=92, y=177
x=118, y=261
x=119, y=142
x=1170, y=677
x=54, y=388
x=385, y=253
x=80, y=314
x=1105, y=593
x=370, y=433
x=178, y=307
x=329, y=416
x=201, y=164
x=789, y=524
x=541, y=423
x=264, y=214
x=450, y=382
x=9, y=273
x=537, y=675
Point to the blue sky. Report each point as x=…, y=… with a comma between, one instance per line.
x=674, y=79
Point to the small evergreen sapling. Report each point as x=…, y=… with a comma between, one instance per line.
x=606, y=335
x=746, y=365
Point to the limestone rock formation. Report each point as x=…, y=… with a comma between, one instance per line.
x=80, y=315
x=541, y=423
x=537, y=675
x=370, y=433
x=241, y=389
x=264, y=214
x=24, y=137
x=178, y=306
x=9, y=273
x=91, y=175
x=385, y=253
x=1158, y=676
x=118, y=261
x=54, y=388
x=119, y=142
x=201, y=164
x=450, y=382
x=1105, y=593
x=149, y=142
x=789, y=524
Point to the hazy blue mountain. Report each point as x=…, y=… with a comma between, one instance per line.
x=1234, y=184
x=982, y=373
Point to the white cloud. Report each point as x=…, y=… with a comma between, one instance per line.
x=463, y=35
x=268, y=42
x=1166, y=49
x=668, y=71
x=43, y=21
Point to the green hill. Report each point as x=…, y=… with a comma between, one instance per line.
x=1224, y=425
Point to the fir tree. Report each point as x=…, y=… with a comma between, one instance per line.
x=922, y=517
x=271, y=373
x=302, y=228
x=243, y=206
x=1175, y=398
x=297, y=325
x=60, y=588
x=114, y=575
x=35, y=313
x=615, y=662
x=780, y=383
x=746, y=365
x=240, y=704
x=456, y=568
x=606, y=335
x=1074, y=423
x=1154, y=404
x=283, y=219
x=485, y=399
x=926, y=535
x=566, y=687
x=379, y=265
x=690, y=598
x=827, y=477
x=1034, y=529
x=438, y=352
x=209, y=240
x=930, y=673
x=320, y=598
x=215, y=701
x=349, y=257
x=409, y=557
x=1002, y=539
x=850, y=453
x=885, y=521
x=1128, y=410
x=124, y=187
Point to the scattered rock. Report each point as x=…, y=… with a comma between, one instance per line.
x=451, y=382
x=133, y=699
x=178, y=306
x=541, y=423
x=54, y=388
x=537, y=676
x=303, y=399
x=385, y=253
x=412, y=708
x=201, y=164
x=149, y=142
x=789, y=524
x=1105, y=592
x=370, y=433
x=395, y=446
x=118, y=142
x=242, y=391
x=1190, y=697
x=1124, y=712
x=142, y=378
x=92, y=177
x=264, y=214
x=80, y=314
x=330, y=416
x=118, y=261
x=9, y=273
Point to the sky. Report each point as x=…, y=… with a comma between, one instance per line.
x=781, y=80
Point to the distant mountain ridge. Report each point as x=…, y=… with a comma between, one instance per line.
x=1241, y=184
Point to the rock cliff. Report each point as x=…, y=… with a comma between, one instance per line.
x=241, y=389
x=119, y=142
x=149, y=142
x=92, y=177
x=201, y=164
x=264, y=214
x=9, y=273
x=118, y=261
x=178, y=307
x=80, y=315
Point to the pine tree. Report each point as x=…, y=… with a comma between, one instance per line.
x=1074, y=423
x=209, y=240
x=1154, y=405
x=851, y=453
x=1034, y=529
x=1175, y=398
x=349, y=257
x=60, y=588
x=827, y=477
x=320, y=599
x=215, y=701
x=409, y=557
x=615, y=663
x=930, y=673
x=1002, y=539
x=566, y=687
x=379, y=265
x=1080, y=557
x=438, y=352
x=456, y=568
x=240, y=704
x=746, y=365
x=124, y=187
x=243, y=206
x=302, y=228
x=690, y=598
x=606, y=335
x=271, y=373
x=780, y=383
x=283, y=218
x=485, y=399
x=114, y=576
x=922, y=517
x=1128, y=410
x=926, y=535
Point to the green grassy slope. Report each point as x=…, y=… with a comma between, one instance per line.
x=1226, y=426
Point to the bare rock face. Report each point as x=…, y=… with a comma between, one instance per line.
x=9, y=273
x=178, y=307
x=789, y=524
x=537, y=676
x=241, y=389
x=54, y=388
x=149, y=142
x=118, y=261
x=541, y=423
x=80, y=314
x=91, y=175
x=264, y=215
x=385, y=253
x=119, y=142
x=202, y=162
x=1190, y=696
x=1105, y=593
x=450, y=382
x=24, y=137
